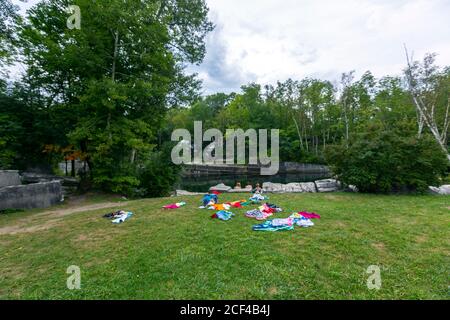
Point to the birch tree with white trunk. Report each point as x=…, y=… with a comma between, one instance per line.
x=429, y=87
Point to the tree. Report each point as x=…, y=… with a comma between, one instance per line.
x=430, y=89
x=393, y=102
x=116, y=75
x=384, y=160
x=8, y=17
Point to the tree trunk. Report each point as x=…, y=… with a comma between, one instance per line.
x=133, y=155
x=298, y=131
x=73, y=169
x=427, y=115
x=113, y=78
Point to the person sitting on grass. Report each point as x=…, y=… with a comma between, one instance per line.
x=258, y=189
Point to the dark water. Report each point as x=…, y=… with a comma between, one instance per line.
x=202, y=184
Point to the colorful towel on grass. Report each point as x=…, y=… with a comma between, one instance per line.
x=121, y=218
x=118, y=216
x=175, y=205
x=257, y=198
x=220, y=207
x=237, y=204
x=301, y=219
x=257, y=214
x=263, y=212
x=223, y=215
x=275, y=225
x=308, y=215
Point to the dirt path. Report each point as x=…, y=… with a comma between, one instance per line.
x=71, y=210
x=51, y=218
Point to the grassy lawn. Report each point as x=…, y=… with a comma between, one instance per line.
x=184, y=254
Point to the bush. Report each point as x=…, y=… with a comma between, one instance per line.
x=153, y=176
x=381, y=160
x=158, y=175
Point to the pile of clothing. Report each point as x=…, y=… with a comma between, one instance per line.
x=175, y=205
x=301, y=219
x=209, y=200
x=263, y=212
x=257, y=198
x=218, y=206
x=118, y=216
x=223, y=215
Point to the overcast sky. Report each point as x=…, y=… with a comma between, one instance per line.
x=268, y=40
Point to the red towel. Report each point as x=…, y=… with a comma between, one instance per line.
x=235, y=204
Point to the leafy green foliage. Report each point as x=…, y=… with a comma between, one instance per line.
x=158, y=175
x=311, y=114
x=115, y=76
x=381, y=160
x=113, y=91
x=8, y=17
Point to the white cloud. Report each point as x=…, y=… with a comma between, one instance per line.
x=270, y=40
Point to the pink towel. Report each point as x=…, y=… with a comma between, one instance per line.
x=309, y=215
x=171, y=206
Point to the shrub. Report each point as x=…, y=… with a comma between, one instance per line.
x=152, y=176
x=381, y=160
x=158, y=175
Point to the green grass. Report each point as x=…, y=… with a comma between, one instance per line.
x=184, y=254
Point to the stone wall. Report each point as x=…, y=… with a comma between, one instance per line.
x=9, y=178
x=199, y=170
x=37, y=195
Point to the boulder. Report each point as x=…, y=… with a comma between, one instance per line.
x=352, y=188
x=309, y=187
x=442, y=190
x=220, y=188
x=295, y=187
x=300, y=187
x=273, y=187
x=30, y=196
x=327, y=185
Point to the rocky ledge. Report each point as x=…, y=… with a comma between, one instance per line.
x=327, y=185
x=442, y=190
x=321, y=186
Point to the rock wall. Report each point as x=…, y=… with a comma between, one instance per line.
x=289, y=188
x=30, y=196
x=9, y=178
x=327, y=185
x=199, y=170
